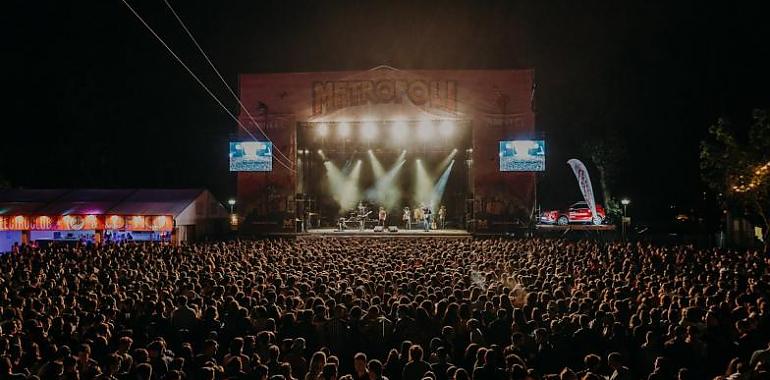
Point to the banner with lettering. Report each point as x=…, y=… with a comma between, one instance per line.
x=584, y=181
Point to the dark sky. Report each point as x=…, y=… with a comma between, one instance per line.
x=93, y=100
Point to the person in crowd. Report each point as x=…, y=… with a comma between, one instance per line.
x=416, y=368
x=360, y=371
x=437, y=308
x=618, y=370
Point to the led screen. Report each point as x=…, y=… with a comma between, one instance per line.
x=522, y=156
x=251, y=156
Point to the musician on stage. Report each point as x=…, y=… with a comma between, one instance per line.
x=417, y=214
x=442, y=217
x=382, y=216
x=426, y=214
x=361, y=216
x=407, y=218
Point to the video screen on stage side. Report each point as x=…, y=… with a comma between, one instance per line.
x=522, y=156
x=251, y=156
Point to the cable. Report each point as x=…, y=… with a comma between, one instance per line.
x=200, y=49
x=146, y=25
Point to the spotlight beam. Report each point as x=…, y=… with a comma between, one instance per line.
x=423, y=184
x=384, y=192
x=344, y=188
x=442, y=165
x=377, y=168
x=440, y=186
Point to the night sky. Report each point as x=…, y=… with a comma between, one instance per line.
x=93, y=100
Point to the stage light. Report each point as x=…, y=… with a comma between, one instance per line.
x=399, y=131
x=323, y=130
x=369, y=131
x=425, y=130
x=343, y=130
x=447, y=128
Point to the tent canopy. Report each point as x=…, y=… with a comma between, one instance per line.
x=96, y=201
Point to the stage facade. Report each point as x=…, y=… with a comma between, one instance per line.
x=307, y=116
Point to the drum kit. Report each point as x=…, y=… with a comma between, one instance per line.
x=357, y=218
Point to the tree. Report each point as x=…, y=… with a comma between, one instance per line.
x=740, y=170
x=607, y=153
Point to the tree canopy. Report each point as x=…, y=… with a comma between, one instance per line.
x=739, y=168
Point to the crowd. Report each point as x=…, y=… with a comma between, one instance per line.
x=371, y=309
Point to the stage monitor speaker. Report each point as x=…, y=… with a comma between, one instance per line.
x=378, y=229
x=392, y=229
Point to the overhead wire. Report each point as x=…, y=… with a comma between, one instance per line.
x=197, y=79
x=230, y=89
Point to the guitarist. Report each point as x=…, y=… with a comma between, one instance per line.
x=426, y=214
x=361, y=216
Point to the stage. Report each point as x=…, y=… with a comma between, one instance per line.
x=369, y=233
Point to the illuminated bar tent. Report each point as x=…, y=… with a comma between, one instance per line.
x=98, y=215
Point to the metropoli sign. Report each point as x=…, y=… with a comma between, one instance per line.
x=335, y=95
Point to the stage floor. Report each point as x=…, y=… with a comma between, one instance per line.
x=385, y=234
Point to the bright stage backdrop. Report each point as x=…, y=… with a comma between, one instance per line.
x=497, y=104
